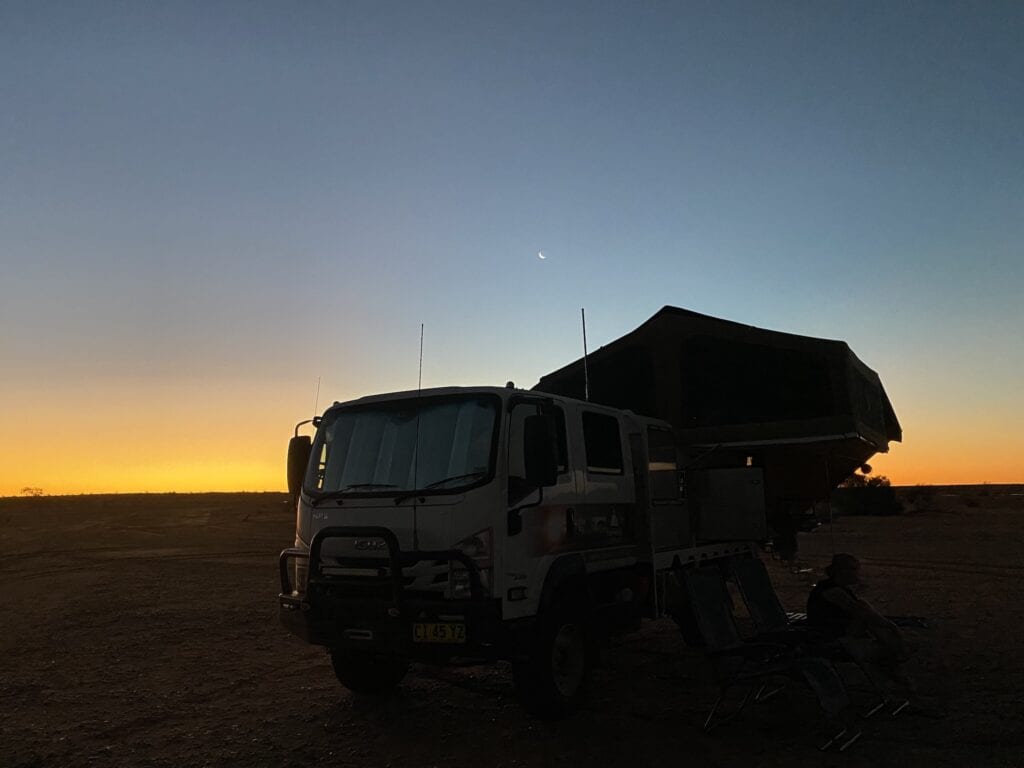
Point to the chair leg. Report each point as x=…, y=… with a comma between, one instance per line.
x=881, y=700
x=881, y=703
x=884, y=700
x=762, y=696
x=849, y=742
x=709, y=725
x=844, y=738
x=711, y=714
x=833, y=739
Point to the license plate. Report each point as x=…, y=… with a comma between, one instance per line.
x=438, y=633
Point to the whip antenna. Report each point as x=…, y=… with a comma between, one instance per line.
x=586, y=373
x=419, y=381
x=416, y=452
x=316, y=400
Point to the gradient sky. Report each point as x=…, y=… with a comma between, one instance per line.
x=206, y=207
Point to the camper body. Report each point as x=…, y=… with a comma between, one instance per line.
x=495, y=523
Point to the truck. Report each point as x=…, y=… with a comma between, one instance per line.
x=531, y=525
x=494, y=524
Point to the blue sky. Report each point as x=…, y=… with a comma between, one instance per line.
x=222, y=202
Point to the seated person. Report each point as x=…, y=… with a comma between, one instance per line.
x=869, y=637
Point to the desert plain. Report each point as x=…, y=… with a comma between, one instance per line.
x=142, y=630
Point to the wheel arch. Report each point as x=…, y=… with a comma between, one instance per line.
x=567, y=575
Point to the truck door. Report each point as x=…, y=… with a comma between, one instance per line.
x=607, y=517
x=670, y=524
x=537, y=530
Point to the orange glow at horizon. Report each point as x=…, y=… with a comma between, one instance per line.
x=196, y=437
x=224, y=437
x=942, y=466
x=950, y=441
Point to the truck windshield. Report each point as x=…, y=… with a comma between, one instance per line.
x=430, y=444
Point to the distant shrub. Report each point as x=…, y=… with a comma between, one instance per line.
x=853, y=481
x=30, y=491
x=865, y=481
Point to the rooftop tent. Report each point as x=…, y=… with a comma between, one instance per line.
x=806, y=410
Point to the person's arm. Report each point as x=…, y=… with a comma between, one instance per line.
x=857, y=609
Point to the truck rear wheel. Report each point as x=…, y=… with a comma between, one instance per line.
x=364, y=672
x=550, y=681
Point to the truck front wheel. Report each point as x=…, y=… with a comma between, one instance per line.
x=363, y=672
x=550, y=680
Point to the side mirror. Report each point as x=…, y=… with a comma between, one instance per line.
x=540, y=450
x=299, y=448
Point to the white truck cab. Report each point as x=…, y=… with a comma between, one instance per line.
x=489, y=523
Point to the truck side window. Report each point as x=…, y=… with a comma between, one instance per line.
x=516, y=459
x=563, y=451
x=602, y=444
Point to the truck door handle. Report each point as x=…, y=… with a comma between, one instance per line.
x=570, y=523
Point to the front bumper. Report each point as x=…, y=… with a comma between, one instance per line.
x=378, y=613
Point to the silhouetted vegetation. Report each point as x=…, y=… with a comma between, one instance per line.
x=863, y=494
x=865, y=481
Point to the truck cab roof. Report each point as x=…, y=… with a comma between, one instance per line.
x=504, y=393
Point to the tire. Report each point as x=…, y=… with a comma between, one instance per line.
x=363, y=672
x=551, y=680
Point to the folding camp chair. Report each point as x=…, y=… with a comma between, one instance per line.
x=753, y=663
x=763, y=604
x=774, y=624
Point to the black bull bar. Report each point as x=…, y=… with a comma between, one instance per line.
x=332, y=608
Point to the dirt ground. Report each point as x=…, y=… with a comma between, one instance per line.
x=143, y=631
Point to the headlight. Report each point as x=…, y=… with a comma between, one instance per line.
x=300, y=575
x=478, y=548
